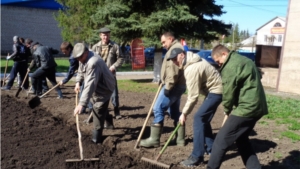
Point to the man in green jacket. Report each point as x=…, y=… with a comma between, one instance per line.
x=244, y=101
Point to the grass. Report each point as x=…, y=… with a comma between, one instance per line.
x=285, y=112
x=63, y=66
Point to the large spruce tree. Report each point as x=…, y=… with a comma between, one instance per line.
x=146, y=19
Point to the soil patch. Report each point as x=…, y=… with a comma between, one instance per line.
x=44, y=137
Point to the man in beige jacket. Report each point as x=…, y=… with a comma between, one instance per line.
x=113, y=57
x=201, y=77
x=99, y=84
x=169, y=97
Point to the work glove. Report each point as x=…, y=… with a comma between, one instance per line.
x=7, y=57
x=167, y=92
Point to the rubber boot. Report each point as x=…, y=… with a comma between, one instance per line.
x=117, y=113
x=97, y=136
x=108, y=123
x=180, y=140
x=154, y=139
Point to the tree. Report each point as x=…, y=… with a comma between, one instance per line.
x=129, y=19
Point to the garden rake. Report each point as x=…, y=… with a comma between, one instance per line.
x=82, y=162
x=155, y=163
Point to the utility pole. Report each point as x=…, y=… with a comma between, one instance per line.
x=233, y=38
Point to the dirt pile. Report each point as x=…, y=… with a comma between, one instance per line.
x=34, y=138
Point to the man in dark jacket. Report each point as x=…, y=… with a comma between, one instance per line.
x=244, y=102
x=46, y=66
x=20, y=63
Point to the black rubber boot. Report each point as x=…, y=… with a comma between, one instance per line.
x=117, y=113
x=97, y=136
x=108, y=123
x=154, y=139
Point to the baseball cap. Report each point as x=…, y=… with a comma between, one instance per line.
x=104, y=30
x=175, y=52
x=78, y=50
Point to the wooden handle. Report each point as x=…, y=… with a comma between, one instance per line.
x=24, y=79
x=225, y=118
x=78, y=131
x=148, y=116
x=49, y=90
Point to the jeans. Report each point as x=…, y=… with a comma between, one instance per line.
x=115, y=96
x=163, y=103
x=21, y=68
x=236, y=129
x=41, y=85
x=49, y=73
x=201, y=126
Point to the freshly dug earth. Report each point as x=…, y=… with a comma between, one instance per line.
x=44, y=137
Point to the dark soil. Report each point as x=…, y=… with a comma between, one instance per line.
x=44, y=137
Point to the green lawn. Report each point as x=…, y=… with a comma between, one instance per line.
x=63, y=66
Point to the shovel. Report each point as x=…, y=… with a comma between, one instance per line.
x=21, y=88
x=4, y=79
x=36, y=100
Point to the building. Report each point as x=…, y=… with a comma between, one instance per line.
x=269, y=40
x=29, y=19
x=248, y=45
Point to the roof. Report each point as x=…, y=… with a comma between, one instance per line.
x=45, y=4
x=279, y=17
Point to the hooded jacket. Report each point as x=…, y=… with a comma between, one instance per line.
x=201, y=78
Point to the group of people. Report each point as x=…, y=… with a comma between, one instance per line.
x=236, y=84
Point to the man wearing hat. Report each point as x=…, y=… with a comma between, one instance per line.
x=99, y=84
x=19, y=57
x=201, y=77
x=113, y=57
x=44, y=60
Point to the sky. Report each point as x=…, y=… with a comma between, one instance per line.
x=251, y=14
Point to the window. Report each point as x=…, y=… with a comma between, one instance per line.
x=277, y=24
x=266, y=38
x=279, y=38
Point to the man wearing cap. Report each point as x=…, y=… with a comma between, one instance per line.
x=201, y=77
x=99, y=84
x=113, y=57
x=173, y=82
x=19, y=57
x=44, y=60
x=244, y=102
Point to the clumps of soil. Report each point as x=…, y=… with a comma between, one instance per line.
x=34, y=138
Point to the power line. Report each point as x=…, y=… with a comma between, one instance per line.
x=256, y=7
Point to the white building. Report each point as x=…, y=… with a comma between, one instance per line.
x=269, y=40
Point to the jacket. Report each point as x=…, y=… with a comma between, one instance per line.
x=201, y=78
x=243, y=93
x=43, y=57
x=74, y=63
x=19, y=53
x=99, y=82
x=115, y=56
x=171, y=75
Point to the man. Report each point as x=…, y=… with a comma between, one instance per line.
x=201, y=77
x=67, y=48
x=244, y=101
x=113, y=57
x=42, y=82
x=99, y=86
x=174, y=86
x=20, y=64
x=46, y=67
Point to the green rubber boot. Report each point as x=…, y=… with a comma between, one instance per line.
x=180, y=140
x=154, y=139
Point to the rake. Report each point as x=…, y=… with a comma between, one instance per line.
x=155, y=163
x=79, y=163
